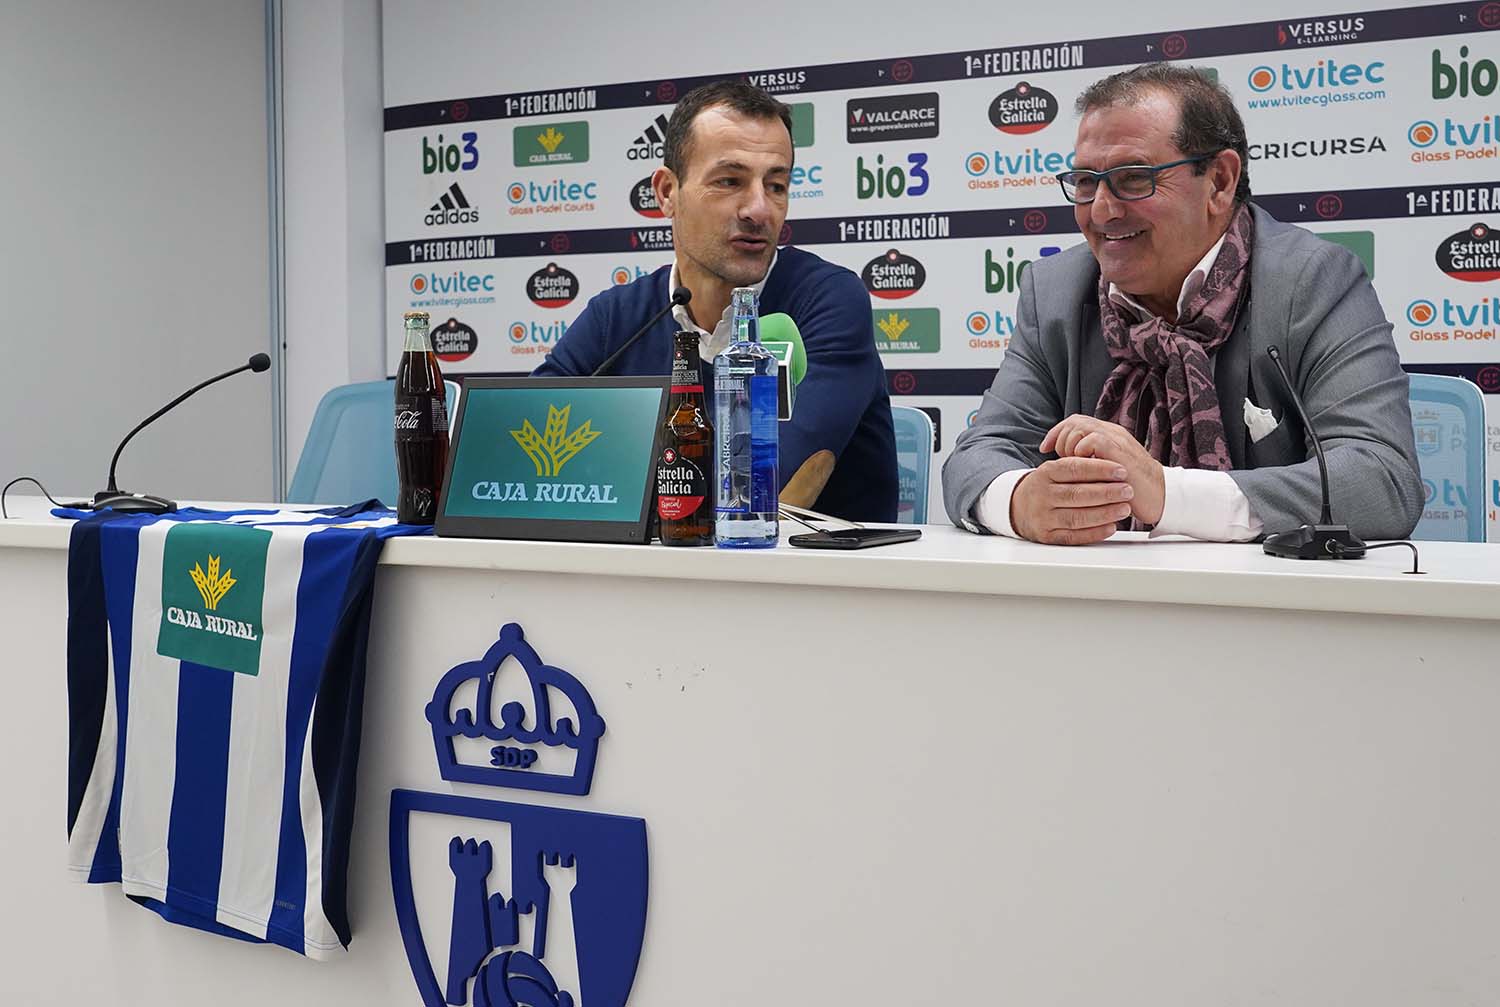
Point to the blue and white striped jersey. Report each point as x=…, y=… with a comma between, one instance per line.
x=216, y=668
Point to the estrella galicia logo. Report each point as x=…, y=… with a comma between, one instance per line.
x=893, y=275
x=879, y=118
x=643, y=199
x=552, y=286
x=1023, y=109
x=1472, y=254
x=443, y=157
x=454, y=341
x=546, y=902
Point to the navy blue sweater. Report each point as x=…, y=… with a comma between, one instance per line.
x=842, y=403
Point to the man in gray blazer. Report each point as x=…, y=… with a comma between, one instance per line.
x=1140, y=360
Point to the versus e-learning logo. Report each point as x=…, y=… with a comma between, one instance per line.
x=1453, y=321
x=1445, y=140
x=1325, y=82
x=442, y=156
x=1029, y=169
x=528, y=336
x=556, y=196
x=455, y=289
x=891, y=181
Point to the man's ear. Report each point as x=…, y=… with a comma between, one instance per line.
x=1224, y=174
x=664, y=184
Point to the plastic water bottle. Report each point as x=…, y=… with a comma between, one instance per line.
x=745, y=434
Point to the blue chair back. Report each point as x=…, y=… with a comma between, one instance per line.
x=913, y=462
x=350, y=454
x=1447, y=417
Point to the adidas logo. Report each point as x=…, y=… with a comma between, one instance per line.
x=651, y=144
x=452, y=208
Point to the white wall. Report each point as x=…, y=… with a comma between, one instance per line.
x=134, y=259
x=333, y=180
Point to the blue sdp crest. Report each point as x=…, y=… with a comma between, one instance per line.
x=522, y=906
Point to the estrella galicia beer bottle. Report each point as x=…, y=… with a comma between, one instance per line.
x=684, y=469
x=421, y=425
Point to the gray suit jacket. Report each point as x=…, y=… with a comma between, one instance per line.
x=1308, y=297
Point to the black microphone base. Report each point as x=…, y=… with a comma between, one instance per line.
x=1321, y=541
x=133, y=503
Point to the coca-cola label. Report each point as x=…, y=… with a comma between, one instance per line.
x=420, y=417
x=681, y=486
x=552, y=286
x=453, y=341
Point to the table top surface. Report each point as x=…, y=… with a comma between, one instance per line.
x=1460, y=580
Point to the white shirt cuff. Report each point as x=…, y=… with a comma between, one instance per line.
x=1204, y=504
x=993, y=508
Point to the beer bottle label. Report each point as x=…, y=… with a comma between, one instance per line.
x=680, y=486
x=686, y=378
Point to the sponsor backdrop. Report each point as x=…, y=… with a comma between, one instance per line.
x=931, y=176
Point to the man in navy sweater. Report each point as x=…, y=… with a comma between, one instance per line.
x=724, y=186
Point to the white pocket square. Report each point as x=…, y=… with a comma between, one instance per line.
x=1259, y=422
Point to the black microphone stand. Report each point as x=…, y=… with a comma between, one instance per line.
x=143, y=503
x=1324, y=540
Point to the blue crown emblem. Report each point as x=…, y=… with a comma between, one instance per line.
x=530, y=749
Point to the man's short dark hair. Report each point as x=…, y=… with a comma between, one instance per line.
x=742, y=99
x=1208, y=121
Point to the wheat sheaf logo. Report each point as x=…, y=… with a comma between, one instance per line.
x=551, y=139
x=550, y=451
x=894, y=326
x=213, y=586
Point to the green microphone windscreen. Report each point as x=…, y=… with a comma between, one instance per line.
x=779, y=328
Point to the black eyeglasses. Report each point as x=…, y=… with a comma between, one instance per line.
x=1127, y=182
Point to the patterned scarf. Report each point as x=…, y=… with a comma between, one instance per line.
x=1162, y=388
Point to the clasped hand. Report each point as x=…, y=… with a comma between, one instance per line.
x=1101, y=475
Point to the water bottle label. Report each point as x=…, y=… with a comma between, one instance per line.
x=763, y=444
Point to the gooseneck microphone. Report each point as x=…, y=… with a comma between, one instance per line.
x=679, y=296
x=143, y=503
x=1324, y=540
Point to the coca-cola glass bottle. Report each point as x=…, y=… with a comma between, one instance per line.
x=421, y=425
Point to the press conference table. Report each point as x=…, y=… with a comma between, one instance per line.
x=959, y=770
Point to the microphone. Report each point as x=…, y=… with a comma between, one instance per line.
x=142, y=503
x=679, y=296
x=779, y=334
x=1324, y=540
